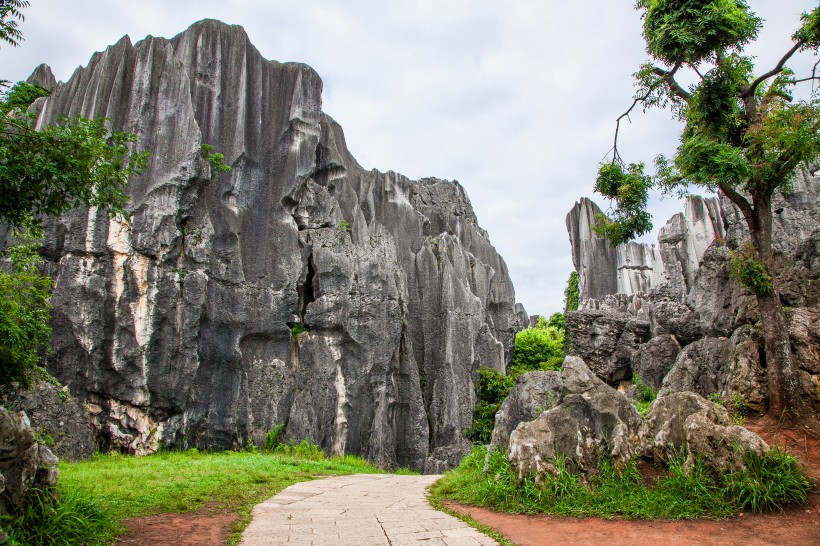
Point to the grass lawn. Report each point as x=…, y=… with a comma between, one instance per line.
x=98, y=493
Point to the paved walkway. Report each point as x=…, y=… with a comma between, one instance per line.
x=360, y=510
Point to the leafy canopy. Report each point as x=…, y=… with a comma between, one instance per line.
x=742, y=133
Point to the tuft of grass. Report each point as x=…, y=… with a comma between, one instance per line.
x=770, y=482
x=70, y=517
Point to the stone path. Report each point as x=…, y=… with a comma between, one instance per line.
x=358, y=510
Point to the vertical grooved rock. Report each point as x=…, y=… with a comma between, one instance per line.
x=182, y=325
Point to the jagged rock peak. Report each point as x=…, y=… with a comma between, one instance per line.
x=352, y=306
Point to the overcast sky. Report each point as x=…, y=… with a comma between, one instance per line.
x=516, y=99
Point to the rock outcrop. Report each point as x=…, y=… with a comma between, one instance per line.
x=590, y=421
x=701, y=327
x=353, y=306
x=57, y=418
x=25, y=464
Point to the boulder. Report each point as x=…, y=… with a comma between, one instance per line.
x=592, y=421
x=655, y=359
x=25, y=464
x=686, y=424
x=532, y=394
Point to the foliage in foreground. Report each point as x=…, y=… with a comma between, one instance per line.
x=71, y=518
x=771, y=482
x=95, y=495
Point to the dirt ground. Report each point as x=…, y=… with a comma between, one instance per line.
x=797, y=525
x=209, y=525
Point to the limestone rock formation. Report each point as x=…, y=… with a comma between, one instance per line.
x=533, y=394
x=353, y=306
x=56, y=416
x=702, y=332
x=687, y=424
x=590, y=421
x=603, y=270
x=24, y=463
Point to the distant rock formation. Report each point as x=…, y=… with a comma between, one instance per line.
x=691, y=328
x=603, y=270
x=181, y=326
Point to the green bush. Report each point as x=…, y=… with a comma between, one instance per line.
x=492, y=388
x=272, y=437
x=770, y=482
x=746, y=268
x=24, y=309
x=302, y=450
x=644, y=394
x=572, y=295
x=538, y=348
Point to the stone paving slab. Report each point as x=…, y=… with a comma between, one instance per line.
x=358, y=510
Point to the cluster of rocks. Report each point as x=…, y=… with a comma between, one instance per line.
x=180, y=326
x=574, y=416
x=672, y=314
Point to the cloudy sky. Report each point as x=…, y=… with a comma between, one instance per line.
x=516, y=100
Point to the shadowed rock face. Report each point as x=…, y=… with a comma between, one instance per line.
x=175, y=326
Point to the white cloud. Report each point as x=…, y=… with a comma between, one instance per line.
x=516, y=100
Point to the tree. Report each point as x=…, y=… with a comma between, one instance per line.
x=46, y=171
x=9, y=11
x=743, y=135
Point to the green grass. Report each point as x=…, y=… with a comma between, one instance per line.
x=120, y=487
x=613, y=494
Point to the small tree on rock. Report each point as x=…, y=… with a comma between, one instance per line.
x=743, y=135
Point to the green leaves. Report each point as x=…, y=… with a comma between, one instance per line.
x=691, y=31
x=216, y=160
x=809, y=32
x=24, y=309
x=630, y=190
x=76, y=162
x=9, y=11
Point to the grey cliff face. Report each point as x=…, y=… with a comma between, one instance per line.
x=702, y=331
x=176, y=325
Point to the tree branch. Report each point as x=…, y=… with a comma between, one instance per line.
x=669, y=78
x=741, y=202
x=666, y=77
x=774, y=71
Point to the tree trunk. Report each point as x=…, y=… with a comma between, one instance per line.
x=782, y=377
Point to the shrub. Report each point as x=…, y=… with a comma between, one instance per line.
x=572, y=295
x=272, y=437
x=537, y=346
x=746, y=268
x=644, y=394
x=302, y=450
x=491, y=388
